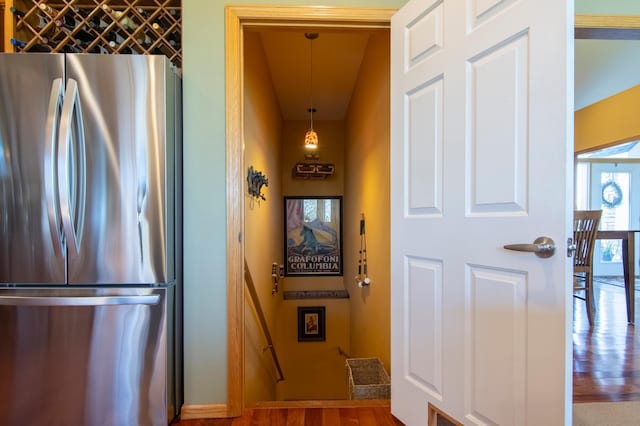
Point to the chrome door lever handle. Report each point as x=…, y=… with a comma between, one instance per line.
x=542, y=247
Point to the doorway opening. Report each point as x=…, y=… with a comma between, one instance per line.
x=605, y=179
x=257, y=138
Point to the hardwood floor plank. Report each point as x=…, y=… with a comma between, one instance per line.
x=278, y=417
x=295, y=416
x=313, y=417
x=367, y=416
x=385, y=418
x=330, y=416
x=244, y=420
x=261, y=417
x=349, y=417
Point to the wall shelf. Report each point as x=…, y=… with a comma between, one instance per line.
x=316, y=294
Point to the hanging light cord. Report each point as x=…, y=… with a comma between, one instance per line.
x=311, y=37
x=311, y=80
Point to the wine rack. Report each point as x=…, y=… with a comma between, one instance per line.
x=96, y=26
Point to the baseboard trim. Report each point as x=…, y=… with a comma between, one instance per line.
x=204, y=411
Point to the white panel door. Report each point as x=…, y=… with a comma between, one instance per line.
x=481, y=157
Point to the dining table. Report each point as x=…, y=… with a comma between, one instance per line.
x=627, y=237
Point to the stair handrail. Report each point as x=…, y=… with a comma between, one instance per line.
x=343, y=353
x=263, y=321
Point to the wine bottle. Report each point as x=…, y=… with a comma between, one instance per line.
x=36, y=20
x=142, y=12
x=127, y=50
x=83, y=35
x=100, y=49
x=67, y=23
x=48, y=9
x=38, y=47
x=174, y=38
x=107, y=9
x=68, y=20
x=128, y=23
x=68, y=48
x=19, y=13
x=53, y=44
x=173, y=41
x=96, y=48
x=75, y=32
x=162, y=23
x=159, y=29
x=143, y=39
x=83, y=13
x=97, y=22
x=175, y=14
x=163, y=49
x=114, y=36
x=18, y=43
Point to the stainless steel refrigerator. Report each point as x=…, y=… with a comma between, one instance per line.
x=90, y=240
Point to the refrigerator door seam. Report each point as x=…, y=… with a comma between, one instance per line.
x=71, y=157
x=78, y=300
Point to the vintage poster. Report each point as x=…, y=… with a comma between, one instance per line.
x=313, y=235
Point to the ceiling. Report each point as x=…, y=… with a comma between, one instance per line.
x=602, y=69
x=336, y=62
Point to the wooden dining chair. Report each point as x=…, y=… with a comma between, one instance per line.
x=585, y=228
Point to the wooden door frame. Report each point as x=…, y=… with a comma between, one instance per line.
x=237, y=17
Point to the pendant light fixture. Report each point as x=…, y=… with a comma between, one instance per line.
x=311, y=137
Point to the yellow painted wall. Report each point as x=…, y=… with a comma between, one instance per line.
x=330, y=149
x=608, y=122
x=313, y=370
x=367, y=191
x=263, y=219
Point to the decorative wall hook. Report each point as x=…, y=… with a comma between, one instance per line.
x=255, y=181
x=277, y=273
x=362, y=279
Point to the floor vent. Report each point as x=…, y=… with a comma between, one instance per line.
x=438, y=417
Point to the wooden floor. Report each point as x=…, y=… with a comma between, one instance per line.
x=311, y=413
x=606, y=364
x=606, y=357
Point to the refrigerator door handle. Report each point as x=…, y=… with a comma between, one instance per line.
x=50, y=167
x=72, y=168
x=79, y=300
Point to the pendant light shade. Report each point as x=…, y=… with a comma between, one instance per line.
x=311, y=137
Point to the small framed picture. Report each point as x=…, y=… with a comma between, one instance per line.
x=311, y=324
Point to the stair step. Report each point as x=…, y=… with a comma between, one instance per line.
x=325, y=403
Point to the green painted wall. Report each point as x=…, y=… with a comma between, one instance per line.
x=204, y=192
x=608, y=7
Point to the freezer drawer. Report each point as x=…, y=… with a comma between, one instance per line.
x=86, y=356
